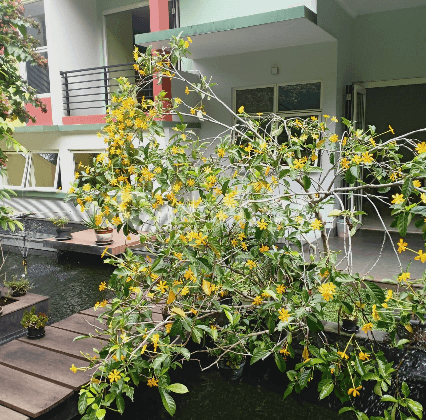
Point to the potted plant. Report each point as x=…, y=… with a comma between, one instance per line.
x=18, y=287
x=349, y=315
x=101, y=227
x=34, y=323
x=231, y=358
x=62, y=233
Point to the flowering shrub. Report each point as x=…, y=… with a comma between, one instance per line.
x=227, y=219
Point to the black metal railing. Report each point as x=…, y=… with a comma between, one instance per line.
x=89, y=89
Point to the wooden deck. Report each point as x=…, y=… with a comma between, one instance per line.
x=35, y=375
x=85, y=242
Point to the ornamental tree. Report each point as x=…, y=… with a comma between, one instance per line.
x=224, y=257
x=16, y=46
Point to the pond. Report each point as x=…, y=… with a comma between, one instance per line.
x=71, y=281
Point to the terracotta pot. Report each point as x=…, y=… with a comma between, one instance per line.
x=63, y=234
x=35, y=333
x=104, y=236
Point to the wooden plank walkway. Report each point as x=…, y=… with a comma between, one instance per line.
x=35, y=375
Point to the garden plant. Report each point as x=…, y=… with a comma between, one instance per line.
x=228, y=218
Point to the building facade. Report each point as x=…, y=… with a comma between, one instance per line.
x=360, y=59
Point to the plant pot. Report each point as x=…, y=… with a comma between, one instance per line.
x=104, y=236
x=350, y=326
x=35, y=333
x=342, y=228
x=230, y=373
x=63, y=234
x=15, y=293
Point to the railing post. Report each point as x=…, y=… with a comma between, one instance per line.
x=67, y=94
x=106, y=87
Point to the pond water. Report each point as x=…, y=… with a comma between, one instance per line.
x=71, y=281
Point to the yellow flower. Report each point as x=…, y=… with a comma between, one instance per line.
x=327, y=290
x=152, y=382
x=363, y=356
x=423, y=198
x=417, y=183
x=241, y=109
x=343, y=355
x=221, y=215
x=190, y=182
x=280, y=288
x=189, y=39
x=155, y=338
x=354, y=391
x=367, y=158
x=334, y=119
x=402, y=246
x=71, y=190
x=162, y=286
x=143, y=349
x=326, y=116
x=404, y=276
x=184, y=291
x=262, y=224
x=264, y=248
x=398, y=198
x=73, y=369
x=192, y=111
x=116, y=220
x=104, y=252
x=221, y=152
x=187, y=90
x=251, y=264
x=334, y=138
x=102, y=286
x=375, y=314
x=114, y=376
x=389, y=295
x=284, y=315
x=345, y=163
x=305, y=353
x=257, y=301
x=316, y=224
x=421, y=147
x=421, y=256
x=367, y=327
x=391, y=130
x=168, y=327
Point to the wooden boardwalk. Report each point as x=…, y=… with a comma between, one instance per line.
x=35, y=375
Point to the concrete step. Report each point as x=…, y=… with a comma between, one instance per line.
x=29, y=395
x=44, y=364
x=8, y=414
x=80, y=324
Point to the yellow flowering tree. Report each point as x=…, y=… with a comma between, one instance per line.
x=224, y=255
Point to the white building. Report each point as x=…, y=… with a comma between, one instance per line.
x=362, y=58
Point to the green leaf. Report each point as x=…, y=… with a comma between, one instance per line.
x=280, y=362
x=82, y=403
x=168, y=401
x=326, y=389
x=119, y=400
x=407, y=188
x=389, y=398
x=288, y=391
x=376, y=290
x=306, y=182
x=402, y=224
x=178, y=388
x=405, y=389
x=378, y=388
x=359, y=366
x=345, y=409
x=258, y=354
x=415, y=407
x=100, y=414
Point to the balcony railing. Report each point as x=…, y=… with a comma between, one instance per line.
x=89, y=91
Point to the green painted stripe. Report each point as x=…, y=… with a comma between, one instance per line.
x=38, y=194
x=229, y=24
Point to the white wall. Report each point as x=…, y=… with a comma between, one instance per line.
x=194, y=12
x=390, y=45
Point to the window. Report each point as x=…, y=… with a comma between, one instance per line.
x=84, y=159
x=34, y=170
x=297, y=100
x=36, y=76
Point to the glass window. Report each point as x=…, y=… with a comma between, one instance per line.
x=38, y=77
x=15, y=169
x=299, y=97
x=256, y=99
x=43, y=170
x=35, y=10
x=83, y=159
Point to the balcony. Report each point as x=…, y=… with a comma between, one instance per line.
x=88, y=91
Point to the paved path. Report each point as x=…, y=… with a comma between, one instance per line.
x=35, y=375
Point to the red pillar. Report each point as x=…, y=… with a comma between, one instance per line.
x=159, y=21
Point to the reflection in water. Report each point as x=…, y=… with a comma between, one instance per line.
x=71, y=281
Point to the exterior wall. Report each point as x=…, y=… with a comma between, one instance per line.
x=73, y=34
x=193, y=12
x=389, y=45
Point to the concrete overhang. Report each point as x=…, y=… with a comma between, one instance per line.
x=264, y=31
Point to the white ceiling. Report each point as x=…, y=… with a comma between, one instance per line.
x=364, y=7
